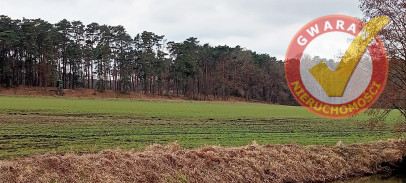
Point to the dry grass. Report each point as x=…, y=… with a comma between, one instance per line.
x=81, y=93
x=108, y=94
x=253, y=163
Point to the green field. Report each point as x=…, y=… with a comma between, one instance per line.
x=37, y=125
x=149, y=108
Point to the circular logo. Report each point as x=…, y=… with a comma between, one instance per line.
x=336, y=66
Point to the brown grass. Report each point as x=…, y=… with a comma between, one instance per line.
x=108, y=94
x=80, y=93
x=253, y=163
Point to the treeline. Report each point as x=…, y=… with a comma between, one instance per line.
x=34, y=52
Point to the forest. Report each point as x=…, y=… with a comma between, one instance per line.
x=36, y=53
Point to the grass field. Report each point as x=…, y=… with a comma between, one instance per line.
x=32, y=125
x=165, y=109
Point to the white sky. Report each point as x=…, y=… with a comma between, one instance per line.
x=265, y=26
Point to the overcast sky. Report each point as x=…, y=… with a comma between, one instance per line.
x=265, y=26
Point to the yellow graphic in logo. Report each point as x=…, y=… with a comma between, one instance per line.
x=335, y=82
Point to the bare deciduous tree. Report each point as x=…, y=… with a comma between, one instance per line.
x=394, y=38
